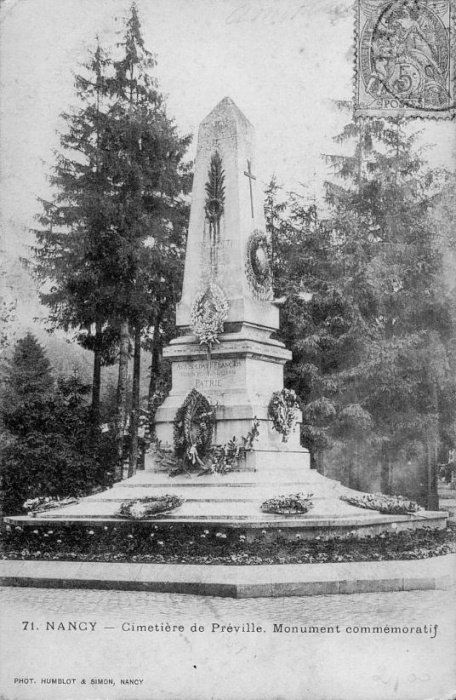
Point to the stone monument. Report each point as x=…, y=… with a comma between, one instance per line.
x=227, y=270
x=229, y=355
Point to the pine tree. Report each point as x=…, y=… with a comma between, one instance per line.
x=392, y=273
x=47, y=452
x=118, y=215
x=150, y=184
x=29, y=373
x=372, y=356
x=74, y=236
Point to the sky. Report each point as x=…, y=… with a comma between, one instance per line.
x=283, y=62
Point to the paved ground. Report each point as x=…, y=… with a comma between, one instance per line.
x=337, y=660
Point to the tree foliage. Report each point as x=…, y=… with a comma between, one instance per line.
x=49, y=453
x=110, y=242
x=372, y=348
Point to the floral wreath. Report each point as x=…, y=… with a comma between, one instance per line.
x=391, y=505
x=283, y=409
x=259, y=273
x=149, y=507
x=208, y=313
x=193, y=428
x=293, y=504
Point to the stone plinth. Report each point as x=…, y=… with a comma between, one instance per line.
x=234, y=500
x=238, y=378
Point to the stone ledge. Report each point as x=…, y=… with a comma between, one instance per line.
x=236, y=581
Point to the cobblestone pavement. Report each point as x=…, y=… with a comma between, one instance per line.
x=343, y=659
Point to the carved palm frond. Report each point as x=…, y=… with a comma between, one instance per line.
x=215, y=188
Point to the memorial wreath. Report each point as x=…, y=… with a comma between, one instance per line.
x=284, y=409
x=390, y=505
x=208, y=314
x=193, y=429
x=293, y=504
x=149, y=506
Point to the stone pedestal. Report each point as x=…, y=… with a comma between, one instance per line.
x=238, y=378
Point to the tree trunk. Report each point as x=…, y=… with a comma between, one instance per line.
x=96, y=383
x=432, y=500
x=154, y=370
x=385, y=473
x=122, y=397
x=134, y=416
x=432, y=454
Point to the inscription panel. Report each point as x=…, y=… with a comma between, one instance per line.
x=204, y=375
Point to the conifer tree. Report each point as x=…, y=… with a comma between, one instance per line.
x=391, y=384
x=47, y=453
x=74, y=235
x=151, y=179
x=29, y=375
x=372, y=356
x=119, y=214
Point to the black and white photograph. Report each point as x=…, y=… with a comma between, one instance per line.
x=227, y=350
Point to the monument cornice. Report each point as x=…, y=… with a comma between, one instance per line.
x=268, y=352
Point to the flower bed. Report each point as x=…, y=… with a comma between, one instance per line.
x=391, y=505
x=293, y=504
x=137, y=541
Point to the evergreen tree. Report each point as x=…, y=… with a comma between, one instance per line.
x=48, y=453
x=372, y=356
x=118, y=215
x=392, y=384
x=74, y=238
x=151, y=181
x=29, y=373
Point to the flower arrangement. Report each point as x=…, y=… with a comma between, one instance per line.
x=283, y=409
x=391, y=505
x=293, y=504
x=193, y=429
x=149, y=507
x=43, y=503
x=225, y=458
x=208, y=313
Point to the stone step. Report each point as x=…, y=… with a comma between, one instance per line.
x=204, y=494
x=266, y=476
x=197, y=509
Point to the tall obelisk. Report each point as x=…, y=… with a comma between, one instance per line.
x=228, y=272
x=225, y=135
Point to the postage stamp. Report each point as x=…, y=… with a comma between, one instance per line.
x=405, y=58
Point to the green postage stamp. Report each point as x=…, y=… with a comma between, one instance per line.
x=405, y=55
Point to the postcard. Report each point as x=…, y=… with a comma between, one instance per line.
x=320, y=334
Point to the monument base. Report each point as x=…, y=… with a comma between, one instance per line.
x=238, y=377
x=233, y=501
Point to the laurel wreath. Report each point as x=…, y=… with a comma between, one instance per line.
x=283, y=409
x=208, y=314
x=193, y=429
x=260, y=279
